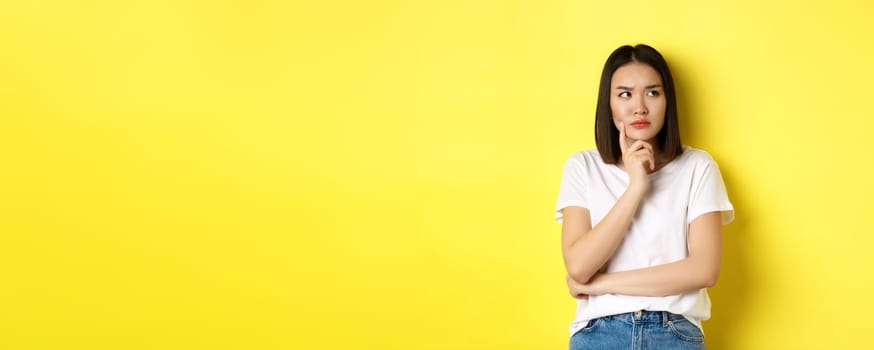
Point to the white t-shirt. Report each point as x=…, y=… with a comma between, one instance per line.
x=685, y=188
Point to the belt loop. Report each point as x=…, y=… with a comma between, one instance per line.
x=665, y=318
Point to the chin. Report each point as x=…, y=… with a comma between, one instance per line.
x=643, y=135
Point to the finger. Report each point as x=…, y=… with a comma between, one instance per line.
x=650, y=155
x=639, y=145
x=647, y=146
x=644, y=156
x=623, y=145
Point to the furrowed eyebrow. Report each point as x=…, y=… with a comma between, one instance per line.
x=653, y=86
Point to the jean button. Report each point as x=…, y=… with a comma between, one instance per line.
x=638, y=313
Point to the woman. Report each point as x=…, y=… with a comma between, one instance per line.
x=641, y=216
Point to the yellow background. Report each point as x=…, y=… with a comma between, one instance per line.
x=382, y=174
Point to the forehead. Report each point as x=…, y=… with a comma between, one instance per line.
x=636, y=74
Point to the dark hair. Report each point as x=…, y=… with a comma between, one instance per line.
x=606, y=135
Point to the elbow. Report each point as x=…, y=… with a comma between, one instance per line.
x=708, y=282
x=579, y=277
x=702, y=271
x=579, y=273
x=709, y=278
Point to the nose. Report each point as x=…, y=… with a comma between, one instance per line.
x=640, y=107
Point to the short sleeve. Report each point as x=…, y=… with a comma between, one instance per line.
x=709, y=194
x=572, y=191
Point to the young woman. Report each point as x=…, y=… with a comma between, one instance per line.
x=641, y=216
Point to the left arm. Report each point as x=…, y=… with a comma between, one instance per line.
x=699, y=270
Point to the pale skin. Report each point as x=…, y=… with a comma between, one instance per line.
x=637, y=99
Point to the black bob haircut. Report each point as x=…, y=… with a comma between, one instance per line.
x=606, y=135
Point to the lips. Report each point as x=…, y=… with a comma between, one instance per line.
x=640, y=124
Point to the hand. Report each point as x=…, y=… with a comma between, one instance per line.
x=599, y=284
x=576, y=289
x=636, y=158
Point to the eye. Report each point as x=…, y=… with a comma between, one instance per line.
x=624, y=94
x=654, y=93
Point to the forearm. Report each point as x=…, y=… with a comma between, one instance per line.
x=669, y=279
x=591, y=250
x=699, y=270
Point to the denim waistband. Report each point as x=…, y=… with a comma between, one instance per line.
x=644, y=316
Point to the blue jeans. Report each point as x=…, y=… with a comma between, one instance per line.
x=639, y=330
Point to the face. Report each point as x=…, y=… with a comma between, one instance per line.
x=637, y=99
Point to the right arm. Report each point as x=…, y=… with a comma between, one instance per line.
x=585, y=248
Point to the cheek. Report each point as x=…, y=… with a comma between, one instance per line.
x=663, y=114
x=616, y=110
x=617, y=118
x=662, y=105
